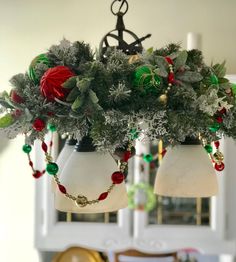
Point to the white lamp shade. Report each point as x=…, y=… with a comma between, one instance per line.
x=89, y=174
x=186, y=171
x=64, y=155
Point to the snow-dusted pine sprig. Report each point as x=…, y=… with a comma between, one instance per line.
x=119, y=93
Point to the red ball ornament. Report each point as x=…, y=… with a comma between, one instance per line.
x=16, y=98
x=52, y=80
x=220, y=166
x=38, y=124
x=117, y=177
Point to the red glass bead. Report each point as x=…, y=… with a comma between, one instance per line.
x=127, y=156
x=37, y=174
x=217, y=144
x=219, y=119
x=62, y=189
x=163, y=152
x=171, y=77
x=169, y=60
x=220, y=166
x=44, y=147
x=103, y=196
x=222, y=111
x=117, y=177
x=38, y=124
x=51, y=143
x=31, y=163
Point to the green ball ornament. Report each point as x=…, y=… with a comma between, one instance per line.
x=52, y=127
x=215, y=127
x=52, y=168
x=145, y=79
x=148, y=158
x=214, y=80
x=42, y=58
x=26, y=148
x=233, y=86
x=208, y=148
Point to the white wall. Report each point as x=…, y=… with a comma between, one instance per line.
x=29, y=27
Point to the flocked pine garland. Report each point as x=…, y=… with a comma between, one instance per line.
x=167, y=94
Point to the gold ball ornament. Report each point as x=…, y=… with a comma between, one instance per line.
x=163, y=98
x=218, y=156
x=81, y=201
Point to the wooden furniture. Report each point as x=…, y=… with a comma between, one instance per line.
x=136, y=253
x=78, y=254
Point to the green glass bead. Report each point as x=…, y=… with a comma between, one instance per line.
x=52, y=168
x=208, y=148
x=27, y=148
x=215, y=127
x=42, y=58
x=214, y=80
x=52, y=127
x=148, y=158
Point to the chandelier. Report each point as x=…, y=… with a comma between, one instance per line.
x=104, y=102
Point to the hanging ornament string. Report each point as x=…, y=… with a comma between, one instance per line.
x=52, y=168
x=28, y=148
x=217, y=157
x=81, y=200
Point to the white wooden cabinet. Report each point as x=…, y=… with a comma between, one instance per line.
x=132, y=229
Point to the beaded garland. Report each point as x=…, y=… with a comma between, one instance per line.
x=52, y=169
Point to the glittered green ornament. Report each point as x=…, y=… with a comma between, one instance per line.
x=208, y=148
x=148, y=158
x=215, y=127
x=6, y=121
x=51, y=127
x=27, y=148
x=214, y=80
x=146, y=79
x=52, y=168
x=233, y=86
x=42, y=58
